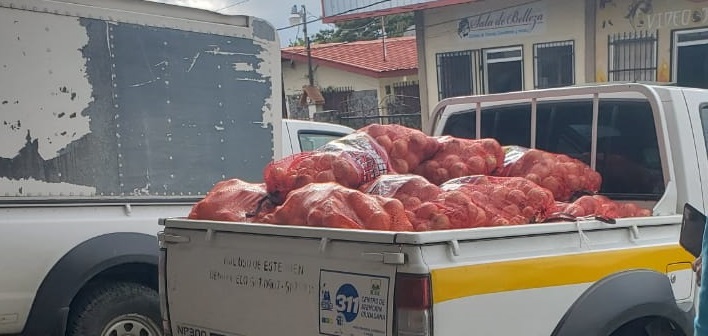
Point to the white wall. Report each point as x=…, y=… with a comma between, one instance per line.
x=295, y=76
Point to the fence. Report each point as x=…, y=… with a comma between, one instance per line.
x=409, y=120
x=632, y=56
x=357, y=109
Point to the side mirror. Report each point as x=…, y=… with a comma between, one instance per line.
x=693, y=225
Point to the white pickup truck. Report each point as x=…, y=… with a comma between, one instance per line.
x=112, y=115
x=587, y=277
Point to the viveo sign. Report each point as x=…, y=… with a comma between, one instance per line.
x=524, y=19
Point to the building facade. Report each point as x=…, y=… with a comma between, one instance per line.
x=363, y=79
x=652, y=40
x=481, y=47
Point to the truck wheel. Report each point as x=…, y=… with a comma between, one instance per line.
x=649, y=326
x=117, y=309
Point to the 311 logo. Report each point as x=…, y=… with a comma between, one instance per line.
x=346, y=302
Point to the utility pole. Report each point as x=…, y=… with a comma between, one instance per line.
x=302, y=17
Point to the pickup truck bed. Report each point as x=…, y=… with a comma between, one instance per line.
x=258, y=271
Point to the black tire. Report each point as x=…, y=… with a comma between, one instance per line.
x=649, y=326
x=123, y=307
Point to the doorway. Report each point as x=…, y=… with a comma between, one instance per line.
x=503, y=69
x=690, y=58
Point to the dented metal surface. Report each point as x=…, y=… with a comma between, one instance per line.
x=99, y=108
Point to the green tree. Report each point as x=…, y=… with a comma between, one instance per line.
x=362, y=30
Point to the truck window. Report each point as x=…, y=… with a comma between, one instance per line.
x=627, y=152
x=510, y=125
x=627, y=148
x=310, y=141
x=461, y=125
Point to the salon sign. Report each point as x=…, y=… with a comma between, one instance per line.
x=525, y=19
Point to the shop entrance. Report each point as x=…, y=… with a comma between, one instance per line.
x=503, y=69
x=690, y=56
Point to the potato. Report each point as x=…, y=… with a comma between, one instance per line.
x=553, y=184
x=482, y=219
x=426, y=210
x=440, y=222
x=345, y=173
x=450, y=160
x=456, y=198
x=362, y=205
x=378, y=221
x=418, y=142
x=530, y=212
x=400, y=166
x=587, y=203
x=458, y=169
x=400, y=149
x=430, y=192
x=440, y=176
x=413, y=161
x=307, y=163
x=573, y=182
x=539, y=198
x=499, y=194
x=412, y=202
x=324, y=161
x=516, y=196
x=339, y=221
x=476, y=165
x=325, y=176
x=385, y=142
x=511, y=210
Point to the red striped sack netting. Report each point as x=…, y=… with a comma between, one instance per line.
x=506, y=200
x=334, y=206
x=350, y=161
x=231, y=200
x=459, y=157
x=406, y=147
x=561, y=174
x=597, y=206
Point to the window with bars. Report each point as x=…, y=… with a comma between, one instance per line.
x=632, y=56
x=456, y=73
x=554, y=64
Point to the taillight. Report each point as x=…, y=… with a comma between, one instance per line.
x=413, y=305
x=162, y=286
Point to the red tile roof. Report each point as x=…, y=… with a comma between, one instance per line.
x=363, y=57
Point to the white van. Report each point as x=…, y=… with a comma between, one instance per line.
x=115, y=113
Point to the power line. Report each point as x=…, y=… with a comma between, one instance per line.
x=232, y=5
x=344, y=12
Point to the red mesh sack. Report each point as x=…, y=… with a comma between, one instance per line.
x=406, y=147
x=350, y=161
x=411, y=190
x=462, y=157
x=232, y=200
x=561, y=174
x=599, y=206
x=334, y=206
x=507, y=200
x=450, y=210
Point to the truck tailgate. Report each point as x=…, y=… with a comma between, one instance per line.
x=243, y=279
